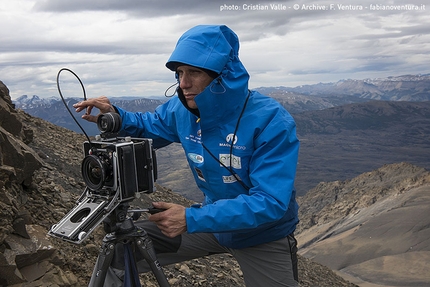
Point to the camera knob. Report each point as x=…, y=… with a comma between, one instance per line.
x=82, y=235
x=127, y=139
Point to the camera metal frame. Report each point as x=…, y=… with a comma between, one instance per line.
x=132, y=169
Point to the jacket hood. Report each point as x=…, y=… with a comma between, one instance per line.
x=214, y=48
x=205, y=46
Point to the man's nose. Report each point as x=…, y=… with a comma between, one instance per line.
x=184, y=82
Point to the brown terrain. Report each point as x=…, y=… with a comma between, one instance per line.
x=373, y=229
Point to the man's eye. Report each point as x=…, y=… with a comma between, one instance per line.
x=195, y=72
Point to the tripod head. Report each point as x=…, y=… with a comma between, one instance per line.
x=118, y=221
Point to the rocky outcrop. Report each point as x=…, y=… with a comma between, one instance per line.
x=18, y=161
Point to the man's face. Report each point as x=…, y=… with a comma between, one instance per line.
x=192, y=81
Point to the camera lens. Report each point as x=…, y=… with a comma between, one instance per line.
x=109, y=123
x=94, y=172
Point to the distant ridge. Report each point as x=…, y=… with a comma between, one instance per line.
x=393, y=88
x=54, y=111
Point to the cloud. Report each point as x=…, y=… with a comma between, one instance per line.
x=120, y=47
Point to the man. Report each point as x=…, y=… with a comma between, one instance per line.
x=242, y=149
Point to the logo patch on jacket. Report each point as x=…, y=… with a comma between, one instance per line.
x=196, y=158
x=235, y=161
x=229, y=179
x=230, y=137
x=231, y=140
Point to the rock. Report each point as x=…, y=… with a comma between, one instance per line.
x=185, y=269
x=19, y=227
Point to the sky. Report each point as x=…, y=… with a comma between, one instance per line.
x=119, y=48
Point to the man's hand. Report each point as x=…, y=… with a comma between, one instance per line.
x=102, y=103
x=172, y=221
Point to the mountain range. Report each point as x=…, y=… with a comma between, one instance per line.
x=303, y=98
x=394, y=88
x=56, y=111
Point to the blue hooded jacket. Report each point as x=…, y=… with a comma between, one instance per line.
x=240, y=145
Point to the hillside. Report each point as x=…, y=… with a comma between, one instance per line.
x=373, y=228
x=40, y=182
x=342, y=142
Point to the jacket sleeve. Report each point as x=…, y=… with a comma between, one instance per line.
x=272, y=172
x=159, y=125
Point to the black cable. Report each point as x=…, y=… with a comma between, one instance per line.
x=64, y=101
x=230, y=168
x=237, y=127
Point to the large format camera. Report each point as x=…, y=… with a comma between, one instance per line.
x=114, y=170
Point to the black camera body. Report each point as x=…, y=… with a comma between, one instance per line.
x=124, y=164
x=115, y=170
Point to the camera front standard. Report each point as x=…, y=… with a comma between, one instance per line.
x=114, y=171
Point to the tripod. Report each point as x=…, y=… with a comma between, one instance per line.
x=134, y=239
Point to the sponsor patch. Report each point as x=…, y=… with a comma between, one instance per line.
x=196, y=158
x=229, y=179
x=235, y=160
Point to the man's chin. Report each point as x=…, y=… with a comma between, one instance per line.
x=192, y=104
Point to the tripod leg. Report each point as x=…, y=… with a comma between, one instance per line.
x=102, y=264
x=131, y=276
x=146, y=248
